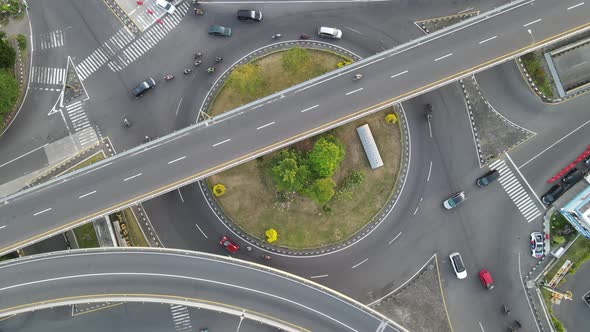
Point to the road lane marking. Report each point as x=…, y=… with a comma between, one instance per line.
x=398, y=74
x=465, y=10
x=574, y=6
x=132, y=177
x=354, y=91
x=200, y=230
x=358, y=264
x=532, y=22
x=395, y=238
x=179, y=193
x=309, y=108
x=255, y=107
x=418, y=206
x=40, y=212
x=442, y=57
x=318, y=276
x=487, y=40
x=525, y=181
x=429, y=171
x=481, y=327
x=23, y=155
x=266, y=125
x=429, y=128
x=219, y=143
x=87, y=194
x=175, y=160
x=178, y=107
x=525, y=290
x=2, y=226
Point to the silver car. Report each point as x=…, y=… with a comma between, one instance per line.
x=454, y=200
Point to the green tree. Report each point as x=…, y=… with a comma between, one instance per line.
x=321, y=191
x=296, y=59
x=558, y=239
x=7, y=54
x=247, y=79
x=325, y=157
x=288, y=175
x=9, y=93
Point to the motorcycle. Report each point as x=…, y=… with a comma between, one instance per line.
x=304, y=36
x=126, y=123
x=357, y=77
x=506, y=309
x=187, y=71
x=276, y=36
x=199, y=11
x=218, y=59
x=147, y=139
x=211, y=70
x=429, y=116
x=197, y=63
x=168, y=77
x=198, y=55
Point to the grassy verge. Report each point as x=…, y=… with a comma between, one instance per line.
x=86, y=236
x=578, y=253
x=559, y=227
x=532, y=63
x=135, y=234
x=547, y=298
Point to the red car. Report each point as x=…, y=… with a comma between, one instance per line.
x=486, y=279
x=230, y=245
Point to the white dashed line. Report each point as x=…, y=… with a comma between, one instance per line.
x=255, y=107
x=38, y=213
x=227, y=140
x=354, y=91
x=442, y=57
x=487, y=40
x=175, y=160
x=200, y=230
x=266, y=125
x=533, y=22
x=395, y=238
x=357, y=265
x=574, y=6
x=2, y=226
x=87, y=194
x=399, y=74
x=131, y=177
x=309, y=108
x=180, y=194
x=318, y=276
x=429, y=171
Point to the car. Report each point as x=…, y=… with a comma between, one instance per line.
x=552, y=194
x=230, y=245
x=218, y=30
x=143, y=87
x=454, y=200
x=458, y=266
x=249, y=15
x=488, y=178
x=587, y=161
x=573, y=176
x=537, y=244
x=167, y=6
x=330, y=32
x=486, y=279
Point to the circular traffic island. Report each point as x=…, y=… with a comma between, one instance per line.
x=315, y=193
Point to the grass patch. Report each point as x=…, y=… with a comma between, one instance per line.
x=86, y=236
x=578, y=253
x=135, y=234
x=561, y=230
x=532, y=63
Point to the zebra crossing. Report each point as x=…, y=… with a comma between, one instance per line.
x=515, y=191
x=85, y=133
x=181, y=318
x=107, y=50
x=48, y=75
x=149, y=39
x=50, y=40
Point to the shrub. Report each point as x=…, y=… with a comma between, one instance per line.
x=296, y=59
x=342, y=63
x=321, y=191
x=247, y=79
x=391, y=118
x=7, y=54
x=218, y=190
x=9, y=93
x=558, y=239
x=325, y=157
x=351, y=182
x=22, y=41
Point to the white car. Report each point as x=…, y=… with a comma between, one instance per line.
x=458, y=265
x=330, y=32
x=167, y=6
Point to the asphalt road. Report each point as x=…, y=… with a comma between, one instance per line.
x=241, y=136
x=64, y=278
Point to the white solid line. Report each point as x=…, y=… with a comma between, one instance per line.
x=395, y=238
x=131, y=177
x=200, y=230
x=574, y=6
x=309, y=108
x=552, y=145
x=444, y=56
x=2, y=226
x=227, y=140
x=357, y=265
x=178, y=107
x=17, y=158
x=429, y=170
x=257, y=106
x=533, y=22
x=318, y=276
x=266, y=125
x=87, y=194
x=38, y=213
x=481, y=327
x=487, y=40
x=398, y=74
x=175, y=160
x=526, y=297
x=179, y=193
x=353, y=91
x=525, y=181
x=465, y=10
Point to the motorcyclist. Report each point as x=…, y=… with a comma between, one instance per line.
x=187, y=70
x=126, y=122
x=276, y=36
x=358, y=76
x=147, y=139
x=210, y=69
x=218, y=59
x=197, y=63
x=198, y=54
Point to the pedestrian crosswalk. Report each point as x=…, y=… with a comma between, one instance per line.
x=515, y=191
x=181, y=318
x=48, y=75
x=149, y=39
x=77, y=116
x=50, y=40
x=106, y=51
